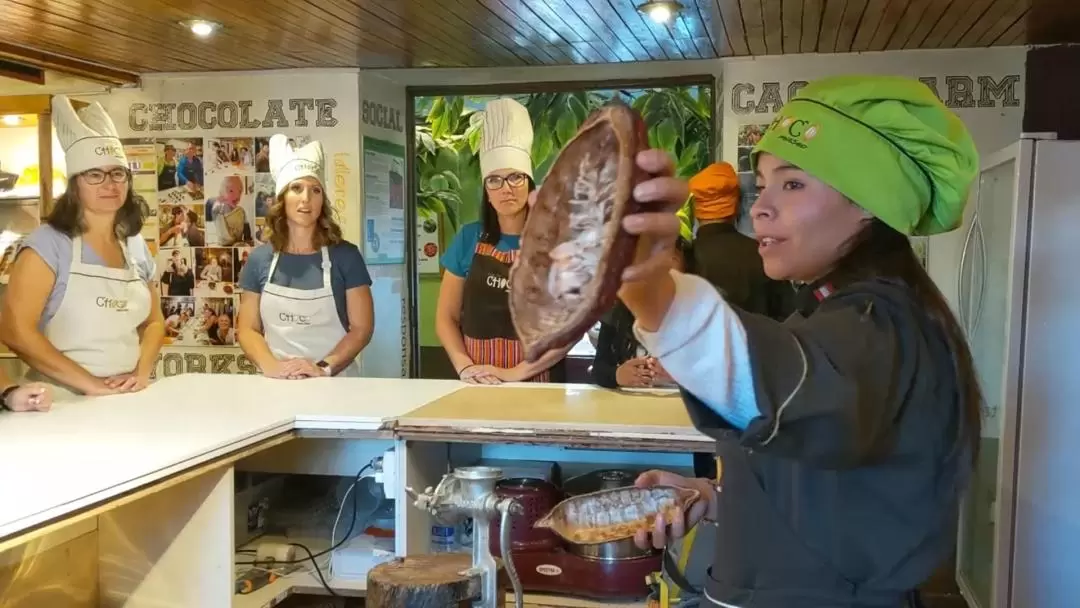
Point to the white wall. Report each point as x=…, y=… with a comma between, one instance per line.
x=751, y=90
x=382, y=117
x=242, y=105
x=985, y=87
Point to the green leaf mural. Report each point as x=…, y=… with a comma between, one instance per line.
x=448, y=131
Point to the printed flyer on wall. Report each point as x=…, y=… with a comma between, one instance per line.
x=427, y=242
x=384, y=202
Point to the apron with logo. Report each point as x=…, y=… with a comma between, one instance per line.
x=488, y=332
x=303, y=323
x=99, y=316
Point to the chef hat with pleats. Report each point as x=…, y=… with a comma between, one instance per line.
x=88, y=137
x=507, y=138
x=288, y=165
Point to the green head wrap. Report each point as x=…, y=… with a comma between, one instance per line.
x=885, y=142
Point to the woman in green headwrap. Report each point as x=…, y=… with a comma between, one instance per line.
x=845, y=436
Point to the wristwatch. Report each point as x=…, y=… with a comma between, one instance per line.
x=323, y=365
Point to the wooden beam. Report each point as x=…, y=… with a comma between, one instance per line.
x=67, y=65
x=21, y=72
x=45, y=168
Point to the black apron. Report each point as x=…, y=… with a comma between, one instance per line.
x=167, y=176
x=488, y=331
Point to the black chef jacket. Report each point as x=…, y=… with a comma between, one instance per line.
x=844, y=491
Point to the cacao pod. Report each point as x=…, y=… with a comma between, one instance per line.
x=615, y=514
x=573, y=247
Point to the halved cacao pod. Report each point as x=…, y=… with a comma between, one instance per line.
x=573, y=247
x=609, y=515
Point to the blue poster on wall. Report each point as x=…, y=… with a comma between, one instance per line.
x=384, y=202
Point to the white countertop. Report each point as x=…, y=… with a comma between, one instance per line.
x=91, y=449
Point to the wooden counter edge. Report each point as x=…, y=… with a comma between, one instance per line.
x=641, y=442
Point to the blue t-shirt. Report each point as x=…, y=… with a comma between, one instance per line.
x=304, y=271
x=458, y=256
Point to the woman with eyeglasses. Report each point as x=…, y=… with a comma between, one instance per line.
x=473, y=315
x=79, y=309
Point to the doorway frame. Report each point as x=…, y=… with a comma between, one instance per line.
x=412, y=274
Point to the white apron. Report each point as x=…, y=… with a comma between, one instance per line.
x=97, y=322
x=302, y=323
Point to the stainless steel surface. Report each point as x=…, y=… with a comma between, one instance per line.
x=994, y=315
x=981, y=240
x=478, y=473
x=613, y=551
x=614, y=478
x=1045, y=569
x=470, y=492
x=603, y=479
x=1039, y=135
x=962, y=306
x=506, y=507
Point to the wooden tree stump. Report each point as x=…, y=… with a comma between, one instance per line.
x=426, y=581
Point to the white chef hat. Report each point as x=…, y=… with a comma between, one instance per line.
x=507, y=138
x=288, y=165
x=88, y=137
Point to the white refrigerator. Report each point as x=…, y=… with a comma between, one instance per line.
x=1019, y=301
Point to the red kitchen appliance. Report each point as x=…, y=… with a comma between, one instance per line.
x=548, y=564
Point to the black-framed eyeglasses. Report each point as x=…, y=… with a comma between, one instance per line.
x=494, y=182
x=96, y=177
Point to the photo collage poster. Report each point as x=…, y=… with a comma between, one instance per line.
x=206, y=202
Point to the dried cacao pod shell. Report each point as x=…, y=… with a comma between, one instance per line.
x=609, y=515
x=573, y=247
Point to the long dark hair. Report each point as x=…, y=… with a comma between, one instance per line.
x=67, y=213
x=880, y=251
x=490, y=232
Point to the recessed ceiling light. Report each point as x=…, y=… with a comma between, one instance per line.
x=661, y=11
x=200, y=27
x=12, y=119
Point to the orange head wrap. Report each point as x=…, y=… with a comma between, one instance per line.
x=716, y=192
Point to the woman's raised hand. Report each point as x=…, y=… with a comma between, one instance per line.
x=665, y=531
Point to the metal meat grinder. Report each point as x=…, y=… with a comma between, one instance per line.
x=470, y=492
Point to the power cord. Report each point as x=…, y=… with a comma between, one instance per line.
x=312, y=556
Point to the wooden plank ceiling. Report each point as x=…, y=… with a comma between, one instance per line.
x=141, y=36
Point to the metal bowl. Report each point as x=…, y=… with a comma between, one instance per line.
x=603, y=479
x=610, y=552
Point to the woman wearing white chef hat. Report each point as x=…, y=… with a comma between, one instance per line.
x=79, y=308
x=473, y=315
x=306, y=310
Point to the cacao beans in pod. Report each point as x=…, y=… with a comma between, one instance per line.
x=573, y=247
